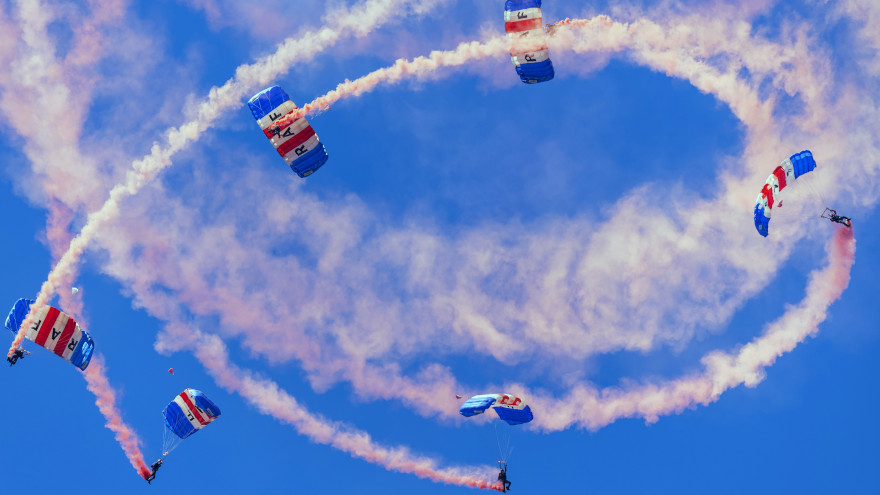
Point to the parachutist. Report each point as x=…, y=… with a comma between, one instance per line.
x=51, y=326
x=16, y=355
x=502, y=477
x=155, y=467
x=293, y=137
x=834, y=217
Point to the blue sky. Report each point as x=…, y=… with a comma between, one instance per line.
x=585, y=243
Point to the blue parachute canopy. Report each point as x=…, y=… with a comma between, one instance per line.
x=189, y=412
x=293, y=139
x=54, y=330
x=509, y=408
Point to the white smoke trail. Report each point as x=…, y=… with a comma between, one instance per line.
x=266, y=396
x=591, y=408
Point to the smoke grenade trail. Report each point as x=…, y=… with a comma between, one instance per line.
x=360, y=20
x=99, y=385
x=593, y=409
x=403, y=68
x=266, y=396
x=598, y=34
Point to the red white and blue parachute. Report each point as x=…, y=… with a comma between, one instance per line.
x=294, y=139
x=189, y=412
x=54, y=330
x=786, y=173
x=524, y=25
x=510, y=408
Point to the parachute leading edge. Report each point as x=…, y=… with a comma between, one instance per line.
x=786, y=173
x=295, y=140
x=524, y=25
x=54, y=330
x=510, y=408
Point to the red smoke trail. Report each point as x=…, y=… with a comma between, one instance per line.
x=98, y=384
x=843, y=252
x=127, y=438
x=271, y=400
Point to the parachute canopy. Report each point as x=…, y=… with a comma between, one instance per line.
x=510, y=408
x=295, y=140
x=54, y=330
x=189, y=412
x=786, y=173
x=524, y=25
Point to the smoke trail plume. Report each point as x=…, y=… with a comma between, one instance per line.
x=98, y=384
x=591, y=408
x=360, y=20
x=649, y=41
x=271, y=400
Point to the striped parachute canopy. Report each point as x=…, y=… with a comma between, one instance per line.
x=54, y=330
x=294, y=139
x=786, y=173
x=524, y=25
x=510, y=408
x=189, y=412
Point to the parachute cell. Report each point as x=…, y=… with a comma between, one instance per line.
x=509, y=408
x=294, y=139
x=786, y=173
x=55, y=331
x=524, y=25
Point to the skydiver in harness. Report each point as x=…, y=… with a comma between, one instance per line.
x=155, y=467
x=16, y=355
x=502, y=477
x=834, y=217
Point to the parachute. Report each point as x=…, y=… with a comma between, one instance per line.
x=295, y=140
x=189, y=412
x=786, y=173
x=54, y=330
x=524, y=25
x=509, y=408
